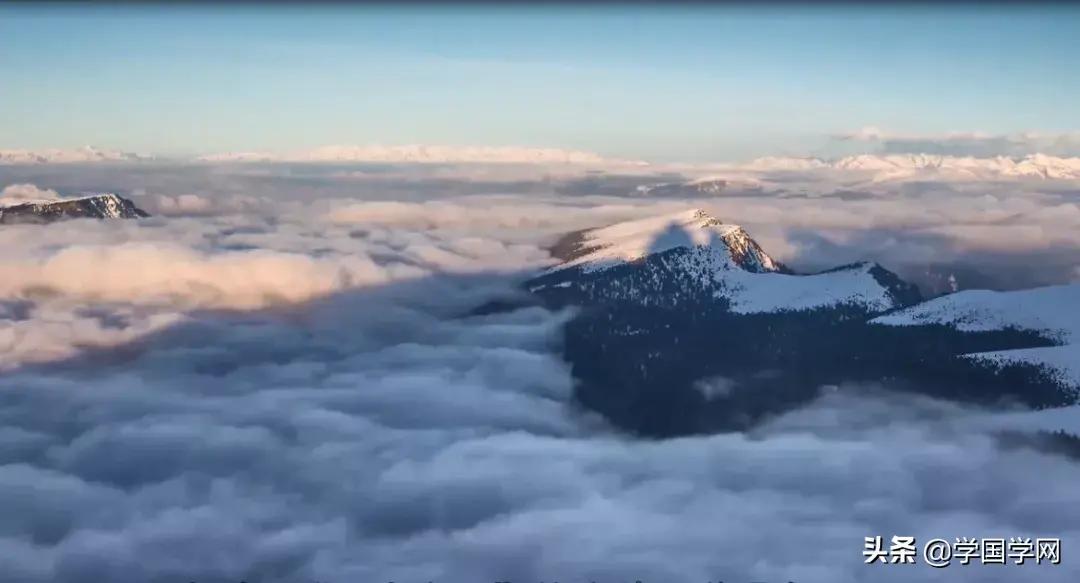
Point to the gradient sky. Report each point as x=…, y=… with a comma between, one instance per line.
x=655, y=82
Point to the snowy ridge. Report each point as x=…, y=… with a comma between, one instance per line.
x=425, y=154
x=628, y=241
x=111, y=204
x=1049, y=310
x=99, y=206
x=88, y=154
x=695, y=247
x=752, y=293
x=925, y=166
x=108, y=205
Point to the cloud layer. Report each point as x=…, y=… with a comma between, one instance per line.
x=20, y=193
x=977, y=145
x=288, y=391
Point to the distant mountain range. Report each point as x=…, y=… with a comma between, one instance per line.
x=864, y=171
x=868, y=167
x=426, y=155
x=87, y=155
x=686, y=325
x=891, y=167
x=873, y=167
x=101, y=206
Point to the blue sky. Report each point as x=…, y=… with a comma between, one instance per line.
x=658, y=82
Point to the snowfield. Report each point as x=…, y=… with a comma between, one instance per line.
x=755, y=293
x=1053, y=311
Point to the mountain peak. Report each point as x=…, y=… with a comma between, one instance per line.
x=98, y=206
x=630, y=241
x=691, y=256
x=84, y=155
x=701, y=215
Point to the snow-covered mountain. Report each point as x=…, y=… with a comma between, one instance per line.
x=627, y=241
x=883, y=168
x=425, y=154
x=100, y=206
x=1052, y=312
x=87, y=155
x=668, y=305
x=693, y=253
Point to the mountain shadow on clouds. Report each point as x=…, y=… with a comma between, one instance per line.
x=341, y=326
x=241, y=445
x=325, y=440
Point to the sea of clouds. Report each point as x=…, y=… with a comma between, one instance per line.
x=283, y=385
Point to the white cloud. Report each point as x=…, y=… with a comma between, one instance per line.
x=292, y=395
x=184, y=204
x=20, y=193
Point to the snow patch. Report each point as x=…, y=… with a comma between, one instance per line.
x=1053, y=311
x=752, y=293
